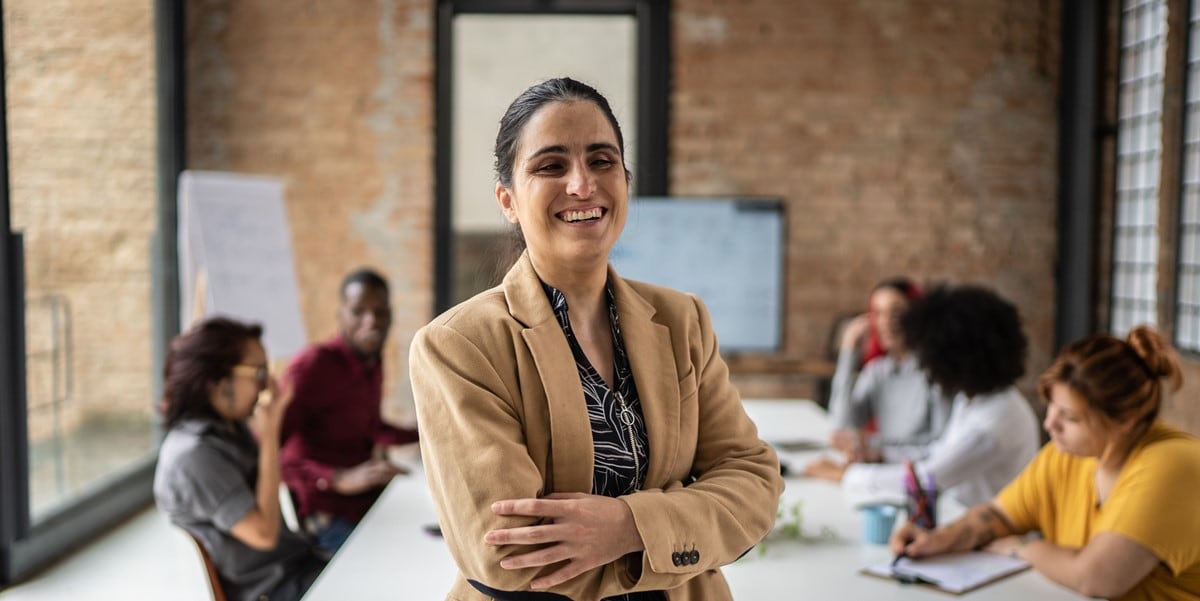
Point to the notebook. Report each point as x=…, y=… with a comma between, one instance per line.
x=954, y=573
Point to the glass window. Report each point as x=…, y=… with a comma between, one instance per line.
x=82, y=159
x=496, y=56
x=1187, y=325
x=1139, y=134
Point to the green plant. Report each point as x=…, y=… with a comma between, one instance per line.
x=789, y=526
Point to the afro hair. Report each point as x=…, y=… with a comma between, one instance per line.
x=967, y=338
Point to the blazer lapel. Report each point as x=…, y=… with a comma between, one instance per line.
x=653, y=363
x=571, y=447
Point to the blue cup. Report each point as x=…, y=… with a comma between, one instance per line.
x=878, y=521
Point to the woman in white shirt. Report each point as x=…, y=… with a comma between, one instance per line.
x=879, y=395
x=970, y=343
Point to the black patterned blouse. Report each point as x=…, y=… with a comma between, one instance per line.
x=618, y=428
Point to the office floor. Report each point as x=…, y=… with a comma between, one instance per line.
x=144, y=559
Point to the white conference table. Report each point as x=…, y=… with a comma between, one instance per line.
x=390, y=555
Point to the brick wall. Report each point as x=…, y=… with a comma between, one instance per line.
x=336, y=99
x=81, y=135
x=912, y=137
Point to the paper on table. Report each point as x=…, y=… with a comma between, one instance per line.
x=955, y=573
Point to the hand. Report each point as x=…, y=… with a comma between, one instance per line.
x=914, y=541
x=368, y=475
x=846, y=440
x=270, y=409
x=1007, y=545
x=826, y=469
x=853, y=443
x=583, y=531
x=382, y=451
x=855, y=332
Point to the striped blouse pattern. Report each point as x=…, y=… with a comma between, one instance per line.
x=621, y=447
x=618, y=428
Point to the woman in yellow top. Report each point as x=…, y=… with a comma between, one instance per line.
x=1113, y=494
x=579, y=431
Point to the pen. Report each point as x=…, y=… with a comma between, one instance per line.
x=899, y=556
x=912, y=473
x=917, y=499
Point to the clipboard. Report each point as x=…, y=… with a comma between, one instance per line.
x=954, y=573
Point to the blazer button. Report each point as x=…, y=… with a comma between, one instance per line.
x=677, y=558
x=695, y=556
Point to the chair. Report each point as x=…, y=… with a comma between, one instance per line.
x=214, y=580
x=287, y=509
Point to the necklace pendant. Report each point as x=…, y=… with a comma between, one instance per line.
x=627, y=416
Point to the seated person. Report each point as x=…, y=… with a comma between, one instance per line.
x=1113, y=494
x=969, y=341
x=213, y=480
x=334, y=440
x=878, y=382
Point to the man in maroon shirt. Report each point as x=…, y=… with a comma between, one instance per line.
x=333, y=440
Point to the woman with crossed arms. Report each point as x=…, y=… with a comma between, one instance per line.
x=579, y=431
x=1112, y=494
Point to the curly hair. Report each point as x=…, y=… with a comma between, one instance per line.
x=967, y=338
x=198, y=358
x=1117, y=378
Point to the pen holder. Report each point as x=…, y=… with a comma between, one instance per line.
x=878, y=521
x=922, y=511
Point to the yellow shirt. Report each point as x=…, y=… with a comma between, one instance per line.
x=1155, y=502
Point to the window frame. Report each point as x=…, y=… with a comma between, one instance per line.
x=1159, y=165
x=653, y=91
x=25, y=546
x=1169, y=199
x=1187, y=8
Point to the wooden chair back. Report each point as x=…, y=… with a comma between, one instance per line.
x=214, y=580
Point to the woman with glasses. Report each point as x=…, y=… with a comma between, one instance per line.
x=213, y=479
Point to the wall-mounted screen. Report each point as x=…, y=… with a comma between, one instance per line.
x=728, y=251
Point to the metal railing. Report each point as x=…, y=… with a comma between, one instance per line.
x=49, y=346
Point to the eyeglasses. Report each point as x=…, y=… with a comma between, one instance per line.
x=258, y=372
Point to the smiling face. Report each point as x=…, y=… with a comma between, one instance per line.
x=1072, y=425
x=569, y=192
x=887, y=304
x=234, y=397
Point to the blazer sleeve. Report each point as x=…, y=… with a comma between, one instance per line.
x=730, y=501
x=474, y=453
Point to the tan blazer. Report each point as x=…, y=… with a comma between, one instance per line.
x=502, y=416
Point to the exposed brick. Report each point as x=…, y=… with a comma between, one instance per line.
x=81, y=135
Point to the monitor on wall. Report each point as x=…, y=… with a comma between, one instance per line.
x=727, y=251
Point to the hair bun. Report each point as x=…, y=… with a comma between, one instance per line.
x=1154, y=352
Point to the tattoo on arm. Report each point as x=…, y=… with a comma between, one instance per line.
x=982, y=527
x=977, y=529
